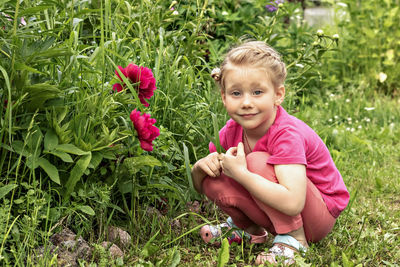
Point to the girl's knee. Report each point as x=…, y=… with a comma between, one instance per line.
x=217, y=187
x=211, y=187
x=223, y=188
x=257, y=163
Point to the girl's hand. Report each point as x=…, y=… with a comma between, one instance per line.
x=234, y=161
x=210, y=165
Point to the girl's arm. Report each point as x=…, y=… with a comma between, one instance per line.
x=207, y=166
x=288, y=196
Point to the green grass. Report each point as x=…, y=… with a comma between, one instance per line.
x=367, y=232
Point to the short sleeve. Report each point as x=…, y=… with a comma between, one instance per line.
x=288, y=147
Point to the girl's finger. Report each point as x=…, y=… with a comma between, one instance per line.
x=209, y=172
x=240, y=149
x=215, y=168
x=231, y=151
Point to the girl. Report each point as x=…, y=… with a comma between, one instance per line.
x=277, y=175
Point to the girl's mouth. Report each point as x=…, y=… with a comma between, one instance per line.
x=248, y=115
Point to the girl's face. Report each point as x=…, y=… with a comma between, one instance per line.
x=250, y=98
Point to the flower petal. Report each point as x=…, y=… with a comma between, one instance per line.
x=118, y=87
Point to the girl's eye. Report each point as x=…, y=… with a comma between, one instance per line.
x=257, y=92
x=235, y=93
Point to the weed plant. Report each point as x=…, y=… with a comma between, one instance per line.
x=70, y=156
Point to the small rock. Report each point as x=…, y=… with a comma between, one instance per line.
x=65, y=235
x=176, y=224
x=70, y=248
x=66, y=259
x=151, y=211
x=119, y=236
x=82, y=249
x=114, y=250
x=193, y=206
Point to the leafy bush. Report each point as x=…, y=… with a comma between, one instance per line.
x=69, y=152
x=369, y=55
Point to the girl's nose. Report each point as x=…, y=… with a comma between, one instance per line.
x=247, y=101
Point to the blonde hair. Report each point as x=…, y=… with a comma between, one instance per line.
x=255, y=54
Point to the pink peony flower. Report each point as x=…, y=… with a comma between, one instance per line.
x=143, y=76
x=145, y=129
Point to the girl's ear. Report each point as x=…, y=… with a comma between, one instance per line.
x=223, y=96
x=279, y=95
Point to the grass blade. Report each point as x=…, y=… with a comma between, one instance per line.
x=187, y=166
x=76, y=173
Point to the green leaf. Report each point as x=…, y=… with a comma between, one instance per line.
x=378, y=183
x=116, y=207
x=187, y=167
x=176, y=258
x=50, y=140
x=133, y=164
x=50, y=169
x=62, y=155
x=108, y=154
x=76, y=173
x=22, y=66
x=96, y=160
x=217, y=143
x=33, y=10
x=54, y=52
x=346, y=262
x=4, y=190
x=18, y=146
x=32, y=161
x=40, y=93
x=34, y=139
x=86, y=209
x=149, y=249
x=223, y=253
x=71, y=149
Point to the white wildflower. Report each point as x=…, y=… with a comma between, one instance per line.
x=320, y=32
x=382, y=77
x=175, y=13
x=224, y=13
x=335, y=36
x=368, y=109
x=347, y=100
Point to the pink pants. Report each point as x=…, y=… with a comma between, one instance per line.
x=246, y=210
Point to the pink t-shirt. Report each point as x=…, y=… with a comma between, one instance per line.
x=291, y=141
